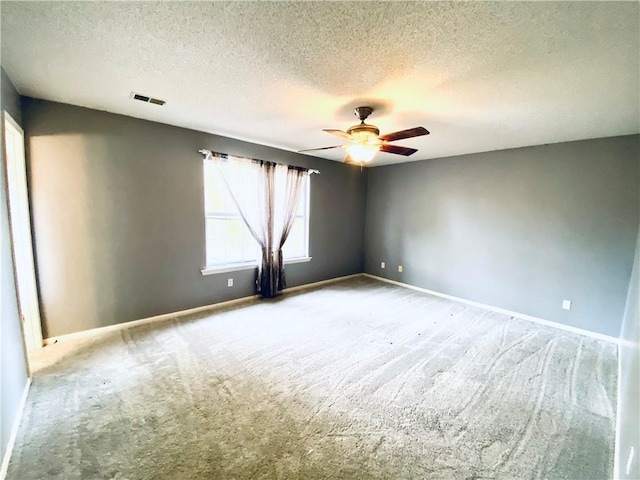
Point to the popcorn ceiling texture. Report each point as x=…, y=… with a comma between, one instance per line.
x=479, y=75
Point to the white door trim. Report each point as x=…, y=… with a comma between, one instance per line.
x=21, y=239
x=14, y=431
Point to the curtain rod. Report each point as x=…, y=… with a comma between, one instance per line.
x=209, y=152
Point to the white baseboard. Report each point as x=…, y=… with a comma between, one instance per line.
x=14, y=431
x=320, y=283
x=228, y=303
x=143, y=321
x=522, y=316
x=166, y=316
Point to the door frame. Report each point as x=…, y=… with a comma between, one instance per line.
x=21, y=234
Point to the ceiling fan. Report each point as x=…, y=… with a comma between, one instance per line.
x=365, y=140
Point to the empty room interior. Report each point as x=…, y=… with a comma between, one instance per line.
x=320, y=240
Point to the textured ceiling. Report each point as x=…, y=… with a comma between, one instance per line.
x=480, y=76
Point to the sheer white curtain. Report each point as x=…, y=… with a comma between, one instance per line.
x=251, y=185
x=288, y=191
x=267, y=196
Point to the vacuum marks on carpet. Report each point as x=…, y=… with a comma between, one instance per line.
x=355, y=380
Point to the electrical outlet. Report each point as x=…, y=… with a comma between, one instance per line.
x=566, y=304
x=400, y=268
x=381, y=264
x=230, y=282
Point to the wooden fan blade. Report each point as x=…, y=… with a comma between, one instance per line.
x=338, y=133
x=321, y=148
x=409, y=133
x=398, y=150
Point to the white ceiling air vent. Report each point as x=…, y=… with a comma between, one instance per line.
x=147, y=99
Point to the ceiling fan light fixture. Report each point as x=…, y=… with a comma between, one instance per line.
x=362, y=153
x=365, y=140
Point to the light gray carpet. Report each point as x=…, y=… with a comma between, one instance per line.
x=355, y=380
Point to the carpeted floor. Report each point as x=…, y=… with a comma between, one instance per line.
x=355, y=380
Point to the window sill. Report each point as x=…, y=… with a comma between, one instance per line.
x=232, y=267
x=246, y=266
x=297, y=260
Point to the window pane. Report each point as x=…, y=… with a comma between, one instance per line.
x=216, y=194
x=216, y=253
x=234, y=240
x=302, y=204
x=295, y=244
x=212, y=192
x=250, y=247
x=229, y=241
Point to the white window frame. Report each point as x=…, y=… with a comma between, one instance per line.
x=233, y=267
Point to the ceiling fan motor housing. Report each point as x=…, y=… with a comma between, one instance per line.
x=364, y=133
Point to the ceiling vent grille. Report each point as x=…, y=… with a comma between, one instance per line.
x=147, y=99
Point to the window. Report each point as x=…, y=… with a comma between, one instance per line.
x=229, y=243
x=297, y=244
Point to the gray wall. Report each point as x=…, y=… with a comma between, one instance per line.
x=119, y=221
x=520, y=229
x=629, y=401
x=117, y=206
x=13, y=363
